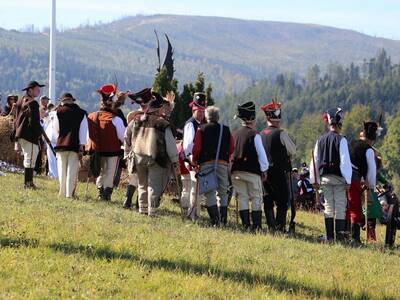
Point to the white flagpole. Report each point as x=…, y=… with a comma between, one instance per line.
x=52, y=62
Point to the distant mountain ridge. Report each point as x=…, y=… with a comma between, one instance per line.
x=231, y=52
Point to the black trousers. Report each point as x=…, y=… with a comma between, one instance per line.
x=277, y=190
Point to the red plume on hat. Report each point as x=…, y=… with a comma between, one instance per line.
x=274, y=105
x=325, y=117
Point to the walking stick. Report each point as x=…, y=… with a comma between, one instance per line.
x=316, y=185
x=178, y=191
x=366, y=212
x=237, y=208
x=196, y=199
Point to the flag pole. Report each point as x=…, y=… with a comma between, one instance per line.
x=52, y=60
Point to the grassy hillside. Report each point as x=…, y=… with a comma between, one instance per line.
x=231, y=52
x=58, y=248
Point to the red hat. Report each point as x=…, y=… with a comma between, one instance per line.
x=273, y=110
x=107, y=89
x=274, y=105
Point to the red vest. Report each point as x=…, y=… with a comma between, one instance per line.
x=105, y=140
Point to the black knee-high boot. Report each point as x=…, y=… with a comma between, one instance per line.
x=270, y=216
x=213, y=212
x=355, y=233
x=28, y=184
x=256, y=217
x=340, y=227
x=223, y=211
x=245, y=217
x=130, y=190
x=329, y=227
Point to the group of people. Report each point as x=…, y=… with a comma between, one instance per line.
x=207, y=160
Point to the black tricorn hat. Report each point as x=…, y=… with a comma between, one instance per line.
x=246, y=111
x=157, y=102
x=32, y=84
x=142, y=97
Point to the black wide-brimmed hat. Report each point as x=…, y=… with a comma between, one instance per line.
x=142, y=97
x=246, y=111
x=32, y=84
x=66, y=96
x=371, y=130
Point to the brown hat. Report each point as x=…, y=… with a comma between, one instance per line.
x=32, y=84
x=67, y=96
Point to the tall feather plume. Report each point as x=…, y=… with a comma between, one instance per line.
x=169, y=60
x=158, y=52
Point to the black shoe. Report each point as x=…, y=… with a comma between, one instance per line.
x=329, y=227
x=223, y=211
x=256, y=217
x=281, y=220
x=340, y=228
x=355, y=233
x=245, y=217
x=269, y=214
x=213, y=212
x=107, y=194
x=130, y=190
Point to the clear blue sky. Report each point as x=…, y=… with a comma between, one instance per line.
x=373, y=17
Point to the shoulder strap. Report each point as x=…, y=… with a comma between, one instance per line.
x=219, y=146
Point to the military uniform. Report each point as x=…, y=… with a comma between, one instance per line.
x=334, y=173
x=279, y=147
x=189, y=132
x=249, y=163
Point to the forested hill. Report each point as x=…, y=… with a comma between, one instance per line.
x=232, y=53
x=364, y=92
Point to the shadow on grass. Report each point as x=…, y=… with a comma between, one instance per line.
x=279, y=283
x=17, y=242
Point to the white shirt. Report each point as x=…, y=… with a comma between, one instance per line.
x=83, y=129
x=262, y=156
x=345, y=163
x=120, y=127
x=371, y=174
x=188, y=139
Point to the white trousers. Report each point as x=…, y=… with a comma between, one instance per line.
x=30, y=152
x=334, y=188
x=107, y=173
x=186, y=186
x=248, y=188
x=52, y=161
x=68, y=168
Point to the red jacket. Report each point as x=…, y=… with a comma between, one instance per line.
x=109, y=144
x=182, y=167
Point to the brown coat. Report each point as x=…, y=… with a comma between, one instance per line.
x=27, y=122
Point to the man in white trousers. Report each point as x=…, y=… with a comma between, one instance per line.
x=71, y=128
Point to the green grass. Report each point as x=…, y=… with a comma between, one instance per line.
x=59, y=248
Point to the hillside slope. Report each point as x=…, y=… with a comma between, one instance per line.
x=58, y=248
